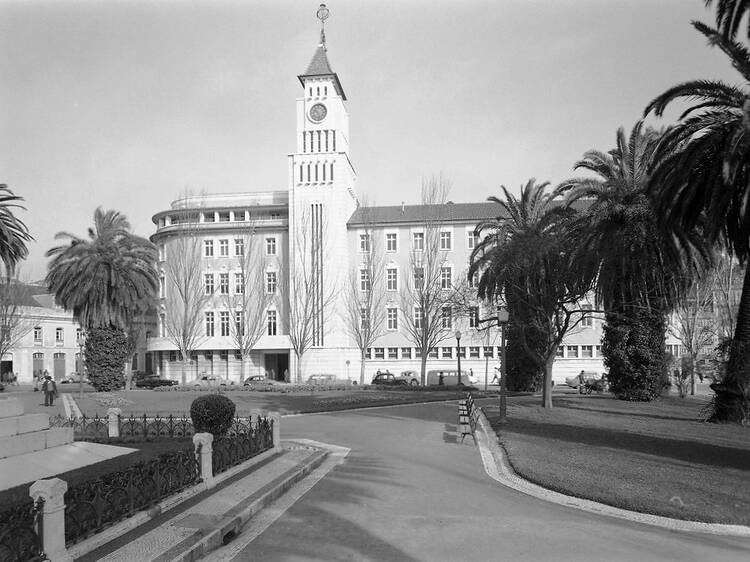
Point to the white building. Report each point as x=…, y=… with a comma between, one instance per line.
x=314, y=226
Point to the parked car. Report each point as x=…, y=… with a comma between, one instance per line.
x=153, y=381
x=449, y=377
x=207, y=380
x=256, y=380
x=321, y=379
x=574, y=381
x=411, y=377
x=388, y=378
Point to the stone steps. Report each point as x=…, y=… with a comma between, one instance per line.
x=26, y=433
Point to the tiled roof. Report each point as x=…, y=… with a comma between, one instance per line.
x=319, y=66
x=451, y=212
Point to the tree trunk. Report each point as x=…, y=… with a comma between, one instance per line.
x=298, y=368
x=423, y=369
x=362, y=367
x=243, y=368
x=183, y=372
x=693, y=366
x=732, y=401
x=547, y=390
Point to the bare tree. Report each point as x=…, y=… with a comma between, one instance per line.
x=255, y=289
x=310, y=296
x=426, y=296
x=365, y=312
x=185, y=294
x=693, y=323
x=15, y=318
x=729, y=277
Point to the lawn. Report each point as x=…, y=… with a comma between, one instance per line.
x=178, y=402
x=656, y=457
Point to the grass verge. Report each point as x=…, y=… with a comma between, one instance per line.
x=656, y=457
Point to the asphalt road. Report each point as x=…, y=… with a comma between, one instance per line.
x=408, y=491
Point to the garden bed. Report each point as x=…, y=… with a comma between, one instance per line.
x=657, y=457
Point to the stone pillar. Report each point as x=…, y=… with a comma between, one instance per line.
x=276, y=418
x=113, y=427
x=205, y=440
x=52, y=491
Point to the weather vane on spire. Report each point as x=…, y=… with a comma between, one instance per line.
x=323, y=14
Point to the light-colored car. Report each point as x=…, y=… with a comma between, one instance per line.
x=209, y=381
x=321, y=379
x=260, y=380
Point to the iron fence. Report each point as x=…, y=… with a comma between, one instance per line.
x=157, y=426
x=238, y=446
x=85, y=427
x=21, y=532
x=94, y=505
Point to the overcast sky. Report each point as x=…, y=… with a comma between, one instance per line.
x=125, y=104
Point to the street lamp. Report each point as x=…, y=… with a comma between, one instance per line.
x=81, y=340
x=502, y=321
x=458, y=354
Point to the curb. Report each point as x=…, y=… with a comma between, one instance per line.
x=498, y=467
x=215, y=538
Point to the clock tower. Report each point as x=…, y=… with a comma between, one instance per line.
x=322, y=199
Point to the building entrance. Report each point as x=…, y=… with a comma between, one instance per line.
x=276, y=364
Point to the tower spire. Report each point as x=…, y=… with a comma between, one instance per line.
x=322, y=14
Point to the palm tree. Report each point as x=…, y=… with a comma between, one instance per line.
x=13, y=232
x=729, y=14
x=523, y=260
x=702, y=174
x=640, y=273
x=107, y=281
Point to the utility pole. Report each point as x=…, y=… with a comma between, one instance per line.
x=501, y=317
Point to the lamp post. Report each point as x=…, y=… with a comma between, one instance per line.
x=81, y=340
x=502, y=321
x=458, y=354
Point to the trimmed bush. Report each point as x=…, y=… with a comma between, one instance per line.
x=106, y=354
x=212, y=413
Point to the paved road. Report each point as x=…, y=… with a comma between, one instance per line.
x=407, y=491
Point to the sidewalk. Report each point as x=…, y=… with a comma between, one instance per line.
x=205, y=522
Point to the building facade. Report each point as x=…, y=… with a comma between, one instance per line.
x=310, y=243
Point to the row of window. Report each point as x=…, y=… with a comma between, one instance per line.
x=239, y=320
x=474, y=352
x=325, y=140
x=239, y=247
x=391, y=241
x=59, y=335
x=194, y=217
x=316, y=171
x=446, y=317
x=209, y=285
x=391, y=278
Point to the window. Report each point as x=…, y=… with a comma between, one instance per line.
x=271, y=322
x=208, y=283
x=239, y=283
x=379, y=353
x=239, y=323
x=462, y=352
x=489, y=351
x=572, y=351
x=391, y=243
x=271, y=282
x=418, y=277
x=393, y=319
x=162, y=286
x=418, y=241
x=559, y=352
x=434, y=353
x=59, y=335
x=38, y=334
x=392, y=279
x=364, y=243
x=587, y=320
x=239, y=247
x=473, y=317
x=446, y=317
x=406, y=353
x=364, y=280
x=239, y=215
x=445, y=241
x=587, y=351
x=392, y=353
x=224, y=217
x=224, y=322
x=209, y=324
x=474, y=281
x=208, y=248
x=418, y=317
x=417, y=353
x=447, y=353
x=275, y=215
x=209, y=217
x=471, y=239
x=162, y=252
x=598, y=350
x=445, y=278
x=271, y=246
x=474, y=352
x=224, y=283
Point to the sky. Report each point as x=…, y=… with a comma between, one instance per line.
x=126, y=104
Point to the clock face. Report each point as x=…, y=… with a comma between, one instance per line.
x=318, y=112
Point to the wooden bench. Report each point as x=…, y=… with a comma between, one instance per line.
x=468, y=414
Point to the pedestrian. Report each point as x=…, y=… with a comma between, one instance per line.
x=286, y=375
x=471, y=374
x=49, y=387
x=15, y=379
x=495, y=380
x=35, y=378
x=440, y=378
x=273, y=375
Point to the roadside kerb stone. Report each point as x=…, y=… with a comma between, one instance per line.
x=497, y=466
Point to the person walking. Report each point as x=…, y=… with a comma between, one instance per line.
x=49, y=387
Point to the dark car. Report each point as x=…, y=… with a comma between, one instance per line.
x=153, y=382
x=388, y=378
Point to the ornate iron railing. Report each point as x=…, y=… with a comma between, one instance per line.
x=21, y=532
x=239, y=446
x=85, y=427
x=157, y=426
x=97, y=504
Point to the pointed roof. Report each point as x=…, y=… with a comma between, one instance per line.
x=319, y=67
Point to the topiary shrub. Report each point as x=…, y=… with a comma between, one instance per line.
x=106, y=354
x=212, y=413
